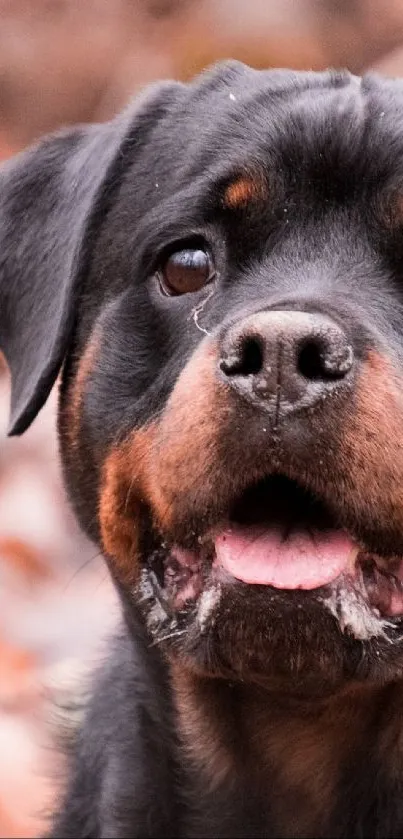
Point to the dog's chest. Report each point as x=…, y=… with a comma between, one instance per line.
x=336, y=773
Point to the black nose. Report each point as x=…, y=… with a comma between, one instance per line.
x=283, y=361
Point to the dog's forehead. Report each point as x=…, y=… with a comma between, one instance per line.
x=306, y=141
x=235, y=117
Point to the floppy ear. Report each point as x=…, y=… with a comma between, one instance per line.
x=51, y=198
x=48, y=197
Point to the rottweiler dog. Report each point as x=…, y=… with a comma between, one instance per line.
x=218, y=272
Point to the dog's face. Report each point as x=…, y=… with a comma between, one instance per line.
x=226, y=286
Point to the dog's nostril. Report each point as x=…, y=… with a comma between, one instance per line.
x=310, y=361
x=252, y=357
x=246, y=361
x=321, y=360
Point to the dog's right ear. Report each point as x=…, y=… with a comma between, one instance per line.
x=51, y=199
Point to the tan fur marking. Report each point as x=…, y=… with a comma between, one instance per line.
x=121, y=499
x=206, y=729
x=307, y=748
x=186, y=443
x=372, y=448
x=244, y=190
x=77, y=389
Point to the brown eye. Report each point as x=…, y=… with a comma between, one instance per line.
x=186, y=271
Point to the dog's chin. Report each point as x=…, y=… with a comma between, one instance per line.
x=278, y=593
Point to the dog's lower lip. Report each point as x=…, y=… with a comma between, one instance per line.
x=378, y=580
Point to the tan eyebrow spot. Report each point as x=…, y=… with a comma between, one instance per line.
x=243, y=190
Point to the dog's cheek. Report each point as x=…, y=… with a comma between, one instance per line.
x=371, y=450
x=186, y=459
x=148, y=477
x=122, y=502
x=78, y=450
x=165, y=470
x=72, y=408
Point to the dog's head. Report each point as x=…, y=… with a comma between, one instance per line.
x=220, y=272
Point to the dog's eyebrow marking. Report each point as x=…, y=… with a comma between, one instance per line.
x=243, y=190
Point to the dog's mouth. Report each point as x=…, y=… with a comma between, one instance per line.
x=280, y=536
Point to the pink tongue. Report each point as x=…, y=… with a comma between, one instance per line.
x=263, y=557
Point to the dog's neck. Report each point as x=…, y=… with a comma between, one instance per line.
x=297, y=758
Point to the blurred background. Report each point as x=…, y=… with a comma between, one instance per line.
x=66, y=61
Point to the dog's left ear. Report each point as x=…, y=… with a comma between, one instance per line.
x=51, y=200
x=48, y=198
